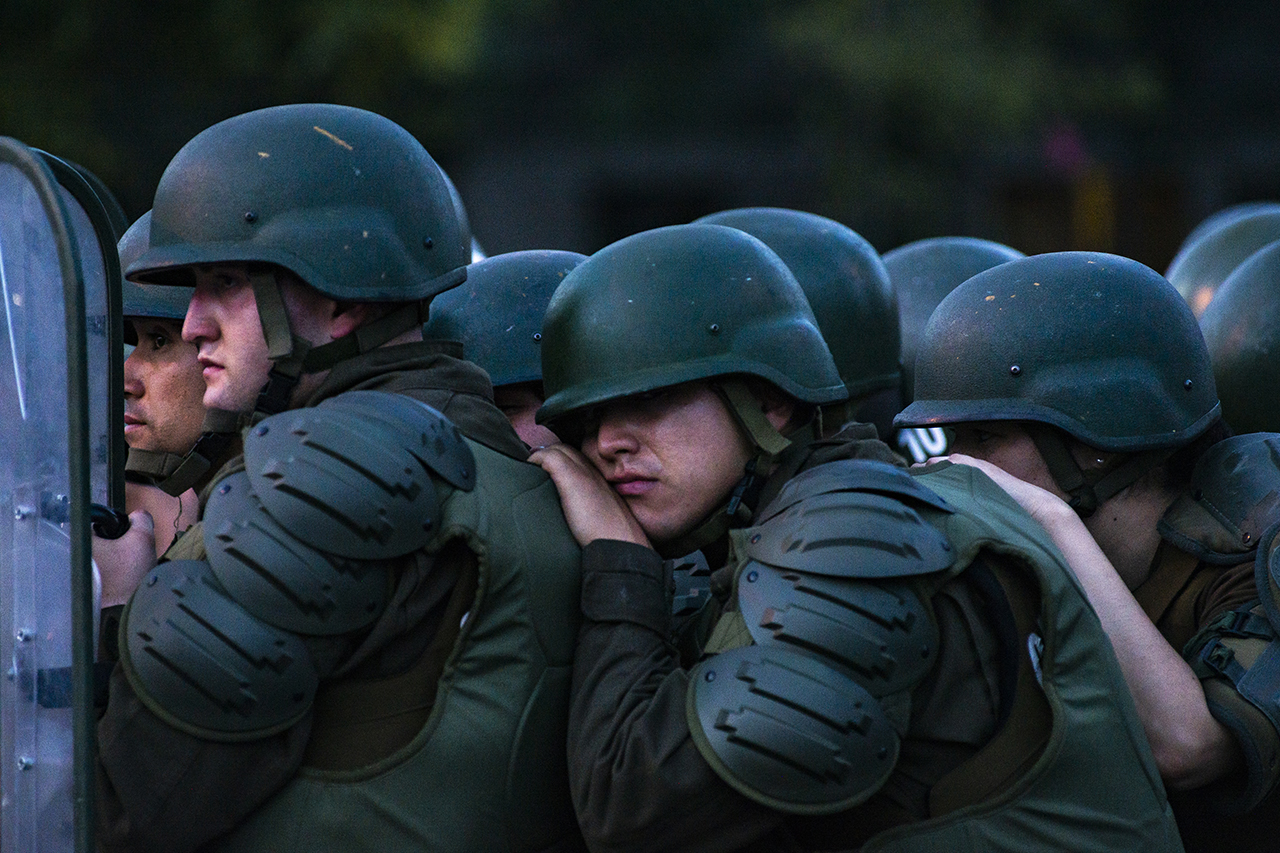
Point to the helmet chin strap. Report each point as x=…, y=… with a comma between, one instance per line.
x=739, y=509
x=291, y=357
x=1087, y=490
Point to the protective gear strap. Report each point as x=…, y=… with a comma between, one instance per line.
x=1242, y=647
x=150, y=466
x=286, y=351
x=175, y=474
x=1026, y=725
x=739, y=510
x=745, y=406
x=1090, y=489
x=292, y=356
x=367, y=337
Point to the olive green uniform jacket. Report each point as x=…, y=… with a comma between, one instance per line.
x=160, y=789
x=640, y=783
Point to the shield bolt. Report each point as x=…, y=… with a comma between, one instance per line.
x=26, y=762
x=24, y=634
x=22, y=513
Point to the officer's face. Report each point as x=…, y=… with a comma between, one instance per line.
x=1006, y=445
x=673, y=456
x=222, y=321
x=162, y=388
x=520, y=401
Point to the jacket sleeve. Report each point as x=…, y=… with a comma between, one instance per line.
x=638, y=780
x=160, y=789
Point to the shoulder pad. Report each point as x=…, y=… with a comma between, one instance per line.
x=852, y=475
x=425, y=432
x=280, y=579
x=205, y=665
x=789, y=732
x=1266, y=573
x=1234, y=497
x=850, y=519
x=347, y=482
x=879, y=633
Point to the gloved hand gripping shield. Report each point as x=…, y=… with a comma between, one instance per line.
x=54, y=453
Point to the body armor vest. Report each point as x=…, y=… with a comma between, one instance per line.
x=1094, y=785
x=487, y=771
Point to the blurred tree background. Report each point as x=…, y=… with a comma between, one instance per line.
x=1048, y=124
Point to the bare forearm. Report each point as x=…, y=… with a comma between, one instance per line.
x=1191, y=748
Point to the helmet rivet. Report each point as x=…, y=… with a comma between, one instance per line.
x=711, y=675
x=224, y=488
x=1187, y=384
x=262, y=430
x=714, y=328
x=753, y=576
x=427, y=243
x=755, y=539
x=537, y=337
x=250, y=216
x=1014, y=370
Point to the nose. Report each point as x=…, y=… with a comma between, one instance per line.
x=133, y=385
x=616, y=435
x=198, y=325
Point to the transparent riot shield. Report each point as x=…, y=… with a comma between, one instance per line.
x=46, y=606
x=96, y=235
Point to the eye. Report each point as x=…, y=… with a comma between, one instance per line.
x=159, y=340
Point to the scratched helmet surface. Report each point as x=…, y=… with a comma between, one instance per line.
x=1097, y=345
x=678, y=304
x=345, y=199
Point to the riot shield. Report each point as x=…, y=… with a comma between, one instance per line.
x=96, y=231
x=46, y=594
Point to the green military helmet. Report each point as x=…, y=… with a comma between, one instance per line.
x=677, y=304
x=1213, y=252
x=923, y=273
x=497, y=312
x=1218, y=218
x=845, y=283
x=1242, y=329
x=343, y=198
x=147, y=300
x=1097, y=345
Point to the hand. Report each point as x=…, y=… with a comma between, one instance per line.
x=124, y=562
x=591, y=507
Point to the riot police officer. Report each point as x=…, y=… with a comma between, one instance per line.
x=923, y=273
x=163, y=391
x=1217, y=246
x=1241, y=329
x=848, y=288
x=496, y=314
x=365, y=642
x=869, y=691
x=1082, y=384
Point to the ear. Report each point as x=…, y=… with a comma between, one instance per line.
x=778, y=408
x=347, y=317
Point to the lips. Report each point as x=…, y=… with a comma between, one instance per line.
x=632, y=485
